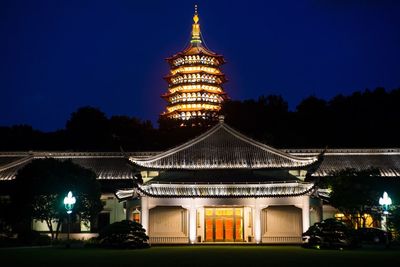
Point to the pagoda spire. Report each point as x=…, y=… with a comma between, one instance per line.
x=195, y=93
x=196, y=39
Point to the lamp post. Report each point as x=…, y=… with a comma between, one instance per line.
x=385, y=201
x=69, y=202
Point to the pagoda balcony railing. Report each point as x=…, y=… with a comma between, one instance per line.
x=194, y=64
x=196, y=101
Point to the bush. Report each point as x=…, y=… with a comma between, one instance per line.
x=330, y=233
x=92, y=243
x=7, y=241
x=76, y=243
x=33, y=238
x=123, y=234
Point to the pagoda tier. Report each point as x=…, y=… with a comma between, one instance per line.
x=195, y=88
x=195, y=81
x=204, y=97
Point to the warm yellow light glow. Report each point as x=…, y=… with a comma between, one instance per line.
x=369, y=220
x=195, y=88
x=195, y=59
x=192, y=97
x=195, y=81
x=195, y=69
x=196, y=18
x=195, y=78
x=196, y=29
x=339, y=216
x=192, y=107
x=186, y=115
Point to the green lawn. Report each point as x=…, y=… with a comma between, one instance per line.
x=192, y=256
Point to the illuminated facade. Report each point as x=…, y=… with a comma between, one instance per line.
x=195, y=81
x=219, y=187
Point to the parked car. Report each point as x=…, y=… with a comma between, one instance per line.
x=373, y=236
x=330, y=233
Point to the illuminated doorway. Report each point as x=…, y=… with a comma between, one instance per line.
x=223, y=224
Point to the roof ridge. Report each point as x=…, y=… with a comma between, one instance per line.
x=233, y=133
x=16, y=163
x=182, y=146
x=264, y=146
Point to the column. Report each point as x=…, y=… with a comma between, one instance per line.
x=257, y=222
x=306, y=213
x=320, y=210
x=144, y=216
x=128, y=209
x=192, y=222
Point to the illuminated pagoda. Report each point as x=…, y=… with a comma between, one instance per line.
x=220, y=186
x=195, y=81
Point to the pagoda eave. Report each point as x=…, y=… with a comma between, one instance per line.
x=177, y=111
x=193, y=91
x=197, y=72
x=220, y=58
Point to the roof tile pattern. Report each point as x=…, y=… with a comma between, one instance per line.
x=294, y=188
x=108, y=166
x=388, y=165
x=113, y=165
x=222, y=147
x=227, y=190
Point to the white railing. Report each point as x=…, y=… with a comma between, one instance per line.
x=169, y=240
x=282, y=239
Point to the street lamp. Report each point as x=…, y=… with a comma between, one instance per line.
x=69, y=202
x=385, y=201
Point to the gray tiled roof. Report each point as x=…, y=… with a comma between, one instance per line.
x=105, y=165
x=222, y=147
x=113, y=165
x=281, y=189
x=387, y=161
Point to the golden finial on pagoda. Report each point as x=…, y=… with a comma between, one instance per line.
x=196, y=27
x=196, y=16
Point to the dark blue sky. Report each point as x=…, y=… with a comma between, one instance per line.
x=57, y=56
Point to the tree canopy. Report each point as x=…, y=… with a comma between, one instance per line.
x=361, y=120
x=41, y=186
x=356, y=193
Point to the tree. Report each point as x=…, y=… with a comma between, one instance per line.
x=123, y=234
x=356, y=193
x=131, y=133
x=41, y=186
x=88, y=129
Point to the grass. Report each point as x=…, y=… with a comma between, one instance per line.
x=193, y=256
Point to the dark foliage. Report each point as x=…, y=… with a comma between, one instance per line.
x=363, y=119
x=330, y=233
x=373, y=236
x=33, y=238
x=123, y=234
x=356, y=193
x=41, y=186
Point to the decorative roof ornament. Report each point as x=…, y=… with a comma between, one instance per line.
x=196, y=39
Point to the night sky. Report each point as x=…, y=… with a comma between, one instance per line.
x=57, y=56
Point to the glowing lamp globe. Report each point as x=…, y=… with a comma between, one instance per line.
x=385, y=201
x=69, y=202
